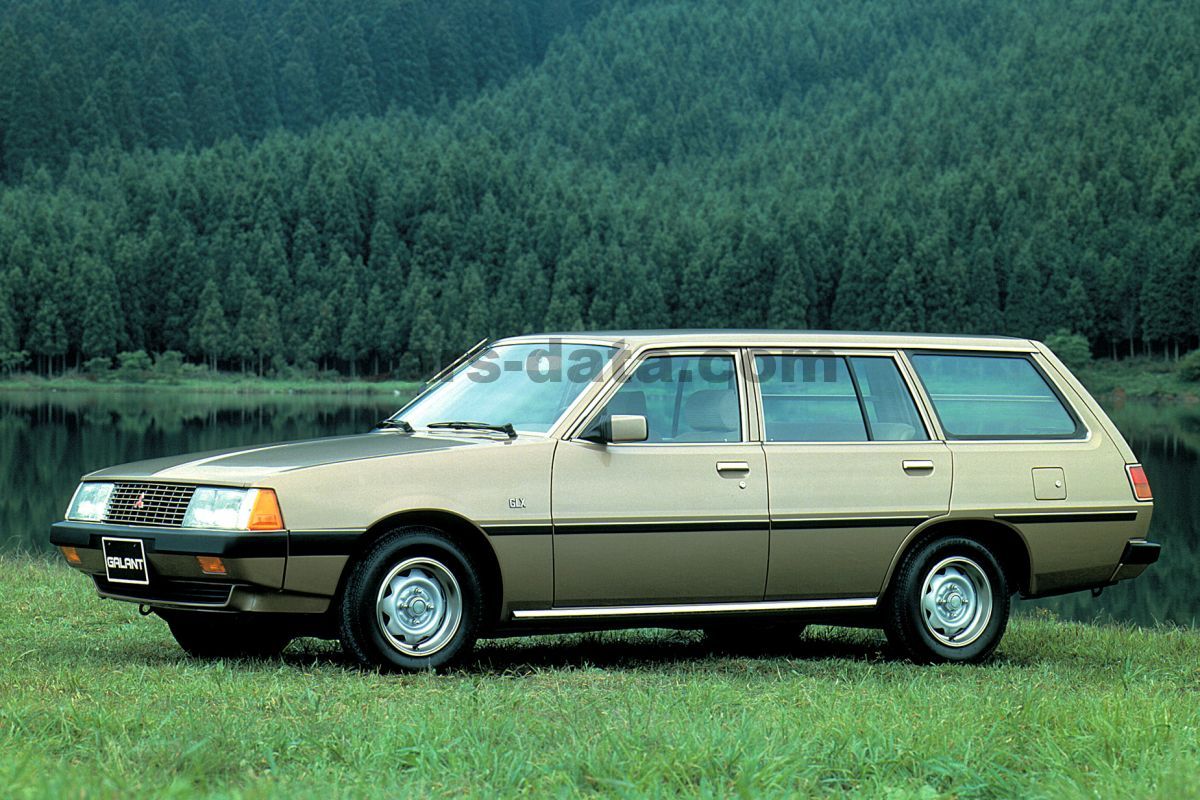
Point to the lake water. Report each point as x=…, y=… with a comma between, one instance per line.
x=48, y=439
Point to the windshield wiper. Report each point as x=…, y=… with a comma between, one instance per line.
x=506, y=428
x=399, y=424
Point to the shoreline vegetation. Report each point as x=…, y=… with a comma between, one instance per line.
x=1140, y=378
x=100, y=702
x=1143, y=378
x=212, y=383
x=168, y=372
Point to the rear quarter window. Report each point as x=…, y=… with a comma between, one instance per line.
x=993, y=397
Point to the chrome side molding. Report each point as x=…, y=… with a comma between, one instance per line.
x=696, y=608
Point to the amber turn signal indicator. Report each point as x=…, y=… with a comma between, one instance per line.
x=265, y=514
x=1137, y=479
x=71, y=554
x=211, y=565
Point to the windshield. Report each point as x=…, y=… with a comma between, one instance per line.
x=526, y=385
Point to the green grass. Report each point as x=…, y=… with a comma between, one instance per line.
x=96, y=701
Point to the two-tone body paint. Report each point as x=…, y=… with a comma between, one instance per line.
x=575, y=525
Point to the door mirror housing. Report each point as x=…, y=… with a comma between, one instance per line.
x=617, y=429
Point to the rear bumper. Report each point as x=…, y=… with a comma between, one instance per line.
x=254, y=562
x=1138, y=555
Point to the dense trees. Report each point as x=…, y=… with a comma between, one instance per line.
x=1006, y=167
x=154, y=74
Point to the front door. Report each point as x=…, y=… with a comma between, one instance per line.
x=681, y=517
x=852, y=471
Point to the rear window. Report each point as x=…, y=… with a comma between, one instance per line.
x=993, y=397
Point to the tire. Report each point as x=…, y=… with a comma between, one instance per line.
x=413, y=602
x=949, y=602
x=209, y=635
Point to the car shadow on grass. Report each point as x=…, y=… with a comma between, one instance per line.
x=630, y=650
x=622, y=650
x=658, y=649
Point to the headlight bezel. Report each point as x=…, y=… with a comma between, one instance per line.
x=95, y=495
x=219, y=508
x=226, y=508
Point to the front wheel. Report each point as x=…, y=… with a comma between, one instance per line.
x=414, y=602
x=948, y=603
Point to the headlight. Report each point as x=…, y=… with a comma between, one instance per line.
x=233, y=510
x=90, y=501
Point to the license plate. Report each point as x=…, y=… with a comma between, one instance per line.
x=125, y=561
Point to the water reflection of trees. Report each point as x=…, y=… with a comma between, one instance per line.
x=1166, y=437
x=47, y=440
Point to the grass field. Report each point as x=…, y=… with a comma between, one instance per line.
x=97, y=702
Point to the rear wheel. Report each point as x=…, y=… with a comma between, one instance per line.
x=209, y=635
x=948, y=603
x=414, y=602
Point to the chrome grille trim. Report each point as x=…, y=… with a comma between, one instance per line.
x=160, y=504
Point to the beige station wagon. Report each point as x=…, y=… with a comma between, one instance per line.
x=746, y=483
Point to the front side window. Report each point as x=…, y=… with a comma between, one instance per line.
x=683, y=398
x=526, y=385
x=989, y=397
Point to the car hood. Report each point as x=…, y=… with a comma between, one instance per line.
x=246, y=465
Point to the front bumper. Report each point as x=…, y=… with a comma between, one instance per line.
x=255, y=564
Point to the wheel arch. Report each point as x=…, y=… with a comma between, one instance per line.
x=1005, y=541
x=466, y=534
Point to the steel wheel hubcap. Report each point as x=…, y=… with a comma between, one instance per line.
x=419, y=606
x=956, y=601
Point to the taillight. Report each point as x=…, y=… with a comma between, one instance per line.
x=1137, y=479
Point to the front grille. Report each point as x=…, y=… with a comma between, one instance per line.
x=170, y=590
x=162, y=504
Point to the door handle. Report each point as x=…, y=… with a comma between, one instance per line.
x=919, y=465
x=732, y=466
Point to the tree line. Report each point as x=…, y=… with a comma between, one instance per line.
x=1000, y=167
x=148, y=74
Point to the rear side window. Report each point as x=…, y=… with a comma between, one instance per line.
x=889, y=406
x=993, y=397
x=825, y=399
x=809, y=399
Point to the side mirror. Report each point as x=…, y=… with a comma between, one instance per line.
x=617, y=428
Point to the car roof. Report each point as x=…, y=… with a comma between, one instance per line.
x=724, y=337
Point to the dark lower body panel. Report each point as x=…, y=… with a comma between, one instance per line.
x=255, y=566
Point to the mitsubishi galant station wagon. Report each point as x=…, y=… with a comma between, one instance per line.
x=744, y=483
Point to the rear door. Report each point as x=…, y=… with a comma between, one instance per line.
x=851, y=469
x=679, y=518
x=1025, y=455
